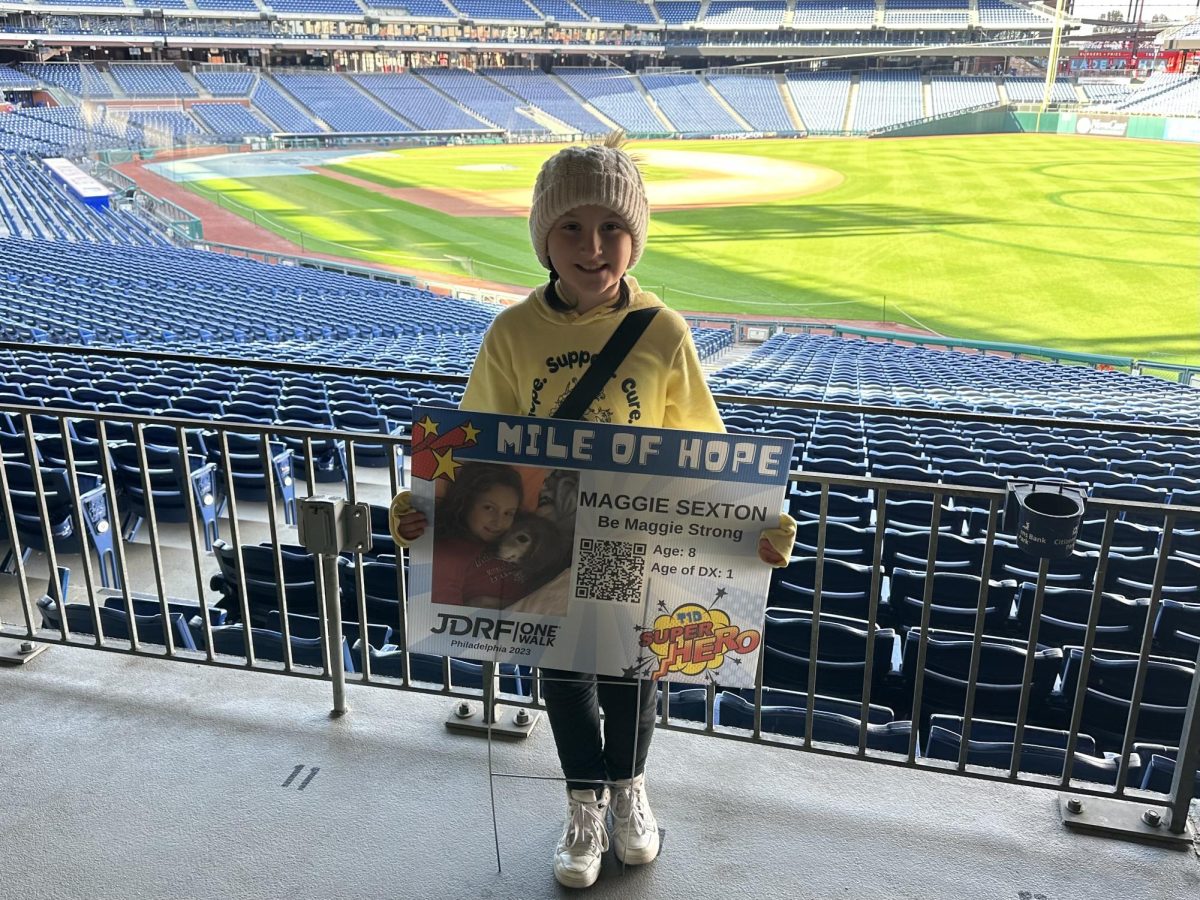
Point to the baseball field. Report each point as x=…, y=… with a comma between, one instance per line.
x=1088, y=244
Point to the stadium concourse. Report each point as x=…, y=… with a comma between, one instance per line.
x=935, y=712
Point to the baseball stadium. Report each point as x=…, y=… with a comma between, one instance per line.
x=946, y=251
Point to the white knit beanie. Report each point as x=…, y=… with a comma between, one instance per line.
x=600, y=175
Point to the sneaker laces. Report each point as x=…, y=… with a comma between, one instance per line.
x=585, y=825
x=629, y=804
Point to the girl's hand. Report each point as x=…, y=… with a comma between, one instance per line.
x=775, y=544
x=406, y=523
x=769, y=554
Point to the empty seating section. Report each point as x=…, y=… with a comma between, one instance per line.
x=559, y=10
x=500, y=10
x=339, y=103
x=34, y=205
x=482, y=98
x=745, y=14
x=834, y=14
x=1105, y=92
x=77, y=294
x=229, y=120
x=14, y=78
x=1029, y=90
x=1179, y=95
x=678, y=12
x=631, y=12
x=139, y=80
x=887, y=98
x=820, y=98
x=420, y=104
x=79, y=78
x=228, y=5
x=227, y=84
x=612, y=91
x=756, y=98
x=999, y=14
x=538, y=88
x=160, y=127
x=429, y=9
x=926, y=14
x=271, y=102
x=951, y=94
x=689, y=105
x=58, y=131
x=344, y=7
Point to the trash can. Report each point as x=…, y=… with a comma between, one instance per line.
x=1049, y=513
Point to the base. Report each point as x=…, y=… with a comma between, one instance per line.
x=1123, y=819
x=510, y=723
x=17, y=653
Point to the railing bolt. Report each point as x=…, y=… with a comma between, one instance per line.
x=522, y=717
x=1075, y=805
x=463, y=711
x=26, y=647
x=1152, y=817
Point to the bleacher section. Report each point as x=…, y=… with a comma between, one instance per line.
x=482, y=98
x=756, y=99
x=559, y=10
x=887, y=98
x=539, y=89
x=80, y=79
x=688, y=104
x=999, y=14
x=1107, y=92
x=754, y=14
x=161, y=127
x=1029, y=90
x=1164, y=93
x=59, y=130
x=151, y=80
x=14, y=78
x=418, y=102
x=275, y=107
x=926, y=14
x=497, y=10
x=229, y=121
x=339, y=103
x=227, y=5
x=34, y=205
x=612, y=91
x=820, y=98
x=326, y=7
x=431, y=9
x=227, y=84
x=951, y=94
x=632, y=12
x=857, y=14
x=678, y=12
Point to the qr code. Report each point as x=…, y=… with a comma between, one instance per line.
x=610, y=570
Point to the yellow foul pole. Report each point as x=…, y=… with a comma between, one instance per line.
x=1052, y=62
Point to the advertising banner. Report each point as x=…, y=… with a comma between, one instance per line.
x=592, y=547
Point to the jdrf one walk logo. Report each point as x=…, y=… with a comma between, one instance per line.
x=694, y=639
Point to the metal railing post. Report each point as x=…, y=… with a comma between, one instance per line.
x=329, y=526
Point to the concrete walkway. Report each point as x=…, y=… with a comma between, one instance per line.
x=128, y=778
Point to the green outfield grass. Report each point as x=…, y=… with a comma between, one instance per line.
x=1086, y=244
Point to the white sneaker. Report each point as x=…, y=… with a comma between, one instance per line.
x=635, y=830
x=584, y=839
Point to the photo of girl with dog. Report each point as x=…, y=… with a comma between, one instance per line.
x=503, y=537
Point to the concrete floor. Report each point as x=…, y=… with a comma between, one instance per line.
x=129, y=778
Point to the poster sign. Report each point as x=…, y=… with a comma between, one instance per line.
x=592, y=547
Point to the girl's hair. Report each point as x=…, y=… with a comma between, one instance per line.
x=472, y=480
x=557, y=303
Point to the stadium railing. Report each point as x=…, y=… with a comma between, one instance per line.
x=315, y=616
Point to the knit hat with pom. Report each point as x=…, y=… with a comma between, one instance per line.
x=600, y=175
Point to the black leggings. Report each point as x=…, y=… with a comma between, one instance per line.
x=573, y=704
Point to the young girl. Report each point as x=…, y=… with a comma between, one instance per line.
x=474, y=514
x=588, y=225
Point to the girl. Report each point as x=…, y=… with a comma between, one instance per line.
x=474, y=514
x=588, y=225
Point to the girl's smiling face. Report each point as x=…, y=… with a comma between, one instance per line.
x=590, y=248
x=492, y=512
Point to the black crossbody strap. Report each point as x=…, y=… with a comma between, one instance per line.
x=604, y=364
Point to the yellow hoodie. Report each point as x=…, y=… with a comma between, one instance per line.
x=532, y=356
